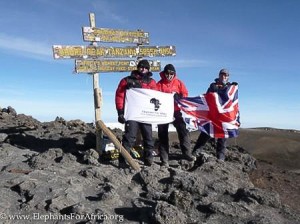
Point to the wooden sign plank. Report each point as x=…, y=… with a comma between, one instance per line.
x=92, y=66
x=114, y=35
x=93, y=52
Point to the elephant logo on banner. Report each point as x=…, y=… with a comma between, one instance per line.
x=156, y=103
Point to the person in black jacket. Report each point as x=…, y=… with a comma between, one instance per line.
x=221, y=84
x=139, y=78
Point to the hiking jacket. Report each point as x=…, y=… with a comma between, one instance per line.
x=173, y=86
x=218, y=87
x=135, y=80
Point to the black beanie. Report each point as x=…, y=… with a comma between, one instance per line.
x=144, y=63
x=169, y=67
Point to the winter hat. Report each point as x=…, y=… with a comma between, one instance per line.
x=224, y=71
x=144, y=63
x=169, y=67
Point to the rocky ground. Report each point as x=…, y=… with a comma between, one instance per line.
x=285, y=182
x=51, y=173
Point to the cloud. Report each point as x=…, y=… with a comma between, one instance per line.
x=25, y=47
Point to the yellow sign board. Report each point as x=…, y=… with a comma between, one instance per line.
x=114, y=36
x=63, y=52
x=94, y=66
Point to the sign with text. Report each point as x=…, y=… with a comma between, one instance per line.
x=94, y=66
x=63, y=52
x=114, y=36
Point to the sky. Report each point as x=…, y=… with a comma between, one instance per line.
x=257, y=41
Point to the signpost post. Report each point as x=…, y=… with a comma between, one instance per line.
x=92, y=59
x=97, y=95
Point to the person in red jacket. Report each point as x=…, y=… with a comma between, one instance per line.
x=169, y=83
x=140, y=78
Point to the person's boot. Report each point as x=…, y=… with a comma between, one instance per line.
x=165, y=164
x=164, y=160
x=148, y=158
x=189, y=157
x=122, y=163
x=148, y=161
x=221, y=149
x=221, y=156
x=197, y=152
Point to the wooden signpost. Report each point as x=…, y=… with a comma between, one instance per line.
x=92, y=60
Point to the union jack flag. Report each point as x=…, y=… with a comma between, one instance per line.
x=216, y=114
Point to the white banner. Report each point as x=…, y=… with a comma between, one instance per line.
x=149, y=106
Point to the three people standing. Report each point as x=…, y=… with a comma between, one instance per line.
x=169, y=83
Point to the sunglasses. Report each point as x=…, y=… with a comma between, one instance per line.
x=142, y=67
x=225, y=74
x=169, y=72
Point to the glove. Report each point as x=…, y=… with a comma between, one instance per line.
x=234, y=83
x=177, y=96
x=134, y=153
x=177, y=115
x=121, y=119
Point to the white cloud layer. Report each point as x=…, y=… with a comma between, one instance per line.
x=27, y=47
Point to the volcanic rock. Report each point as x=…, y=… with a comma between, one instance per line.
x=51, y=173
